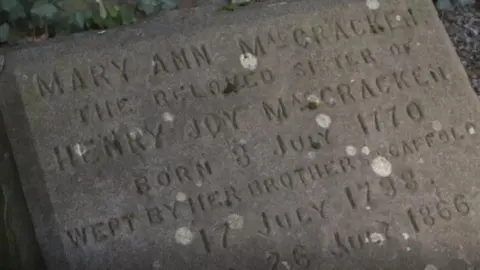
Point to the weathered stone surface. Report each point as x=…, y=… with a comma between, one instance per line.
x=304, y=135
x=18, y=246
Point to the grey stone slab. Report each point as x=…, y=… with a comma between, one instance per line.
x=299, y=135
x=18, y=245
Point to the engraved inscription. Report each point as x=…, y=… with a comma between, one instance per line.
x=428, y=215
x=328, y=32
x=104, y=110
x=212, y=124
x=241, y=156
x=286, y=220
x=116, y=143
x=197, y=174
x=302, y=176
x=299, y=256
x=181, y=59
x=368, y=88
x=178, y=96
x=204, y=202
x=276, y=112
x=103, y=230
x=369, y=194
x=390, y=117
x=430, y=140
x=351, y=59
x=250, y=163
x=140, y=140
x=57, y=82
x=346, y=244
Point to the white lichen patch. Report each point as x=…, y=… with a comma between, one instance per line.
x=248, y=61
x=135, y=133
x=198, y=183
x=323, y=120
x=156, y=265
x=168, y=117
x=406, y=236
x=368, y=208
x=431, y=267
x=311, y=155
x=351, y=150
x=286, y=265
x=79, y=149
x=183, y=236
x=377, y=238
x=398, y=18
x=472, y=131
x=408, y=249
x=313, y=98
x=181, y=197
x=235, y=221
x=437, y=126
x=365, y=150
x=373, y=4
x=381, y=166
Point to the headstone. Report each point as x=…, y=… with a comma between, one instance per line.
x=18, y=246
x=293, y=135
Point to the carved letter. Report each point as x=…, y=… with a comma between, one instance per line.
x=53, y=88
x=258, y=49
x=280, y=115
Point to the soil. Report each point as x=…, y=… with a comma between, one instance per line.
x=463, y=26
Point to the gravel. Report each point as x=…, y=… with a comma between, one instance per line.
x=463, y=27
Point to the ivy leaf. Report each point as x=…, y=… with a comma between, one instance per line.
x=4, y=32
x=98, y=20
x=113, y=11
x=77, y=19
x=169, y=4
x=109, y=22
x=88, y=15
x=127, y=15
x=8, y=5
x=17, y=12
x=44, y=10
x=147, y=6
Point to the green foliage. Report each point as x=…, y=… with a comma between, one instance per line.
x=43, y=9
x=148, y=6
x=26, y=20
x=8, y=5
x=4, y=32
x=103, y=18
